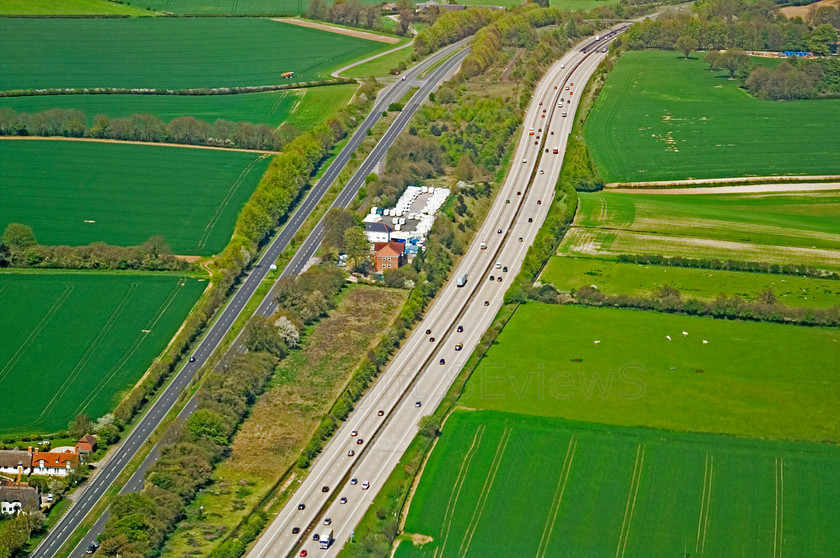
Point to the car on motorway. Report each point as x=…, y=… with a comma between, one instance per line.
x=460, y=329
x=417, y=403
x=541, y=171
x=492, y=277
x=402, y=78
x=542, y=115
x=499, y=231
x=564, y=114
x=546, y=150
x=499, y=279
x=325, y=489
x=486, y=303
x=365, y=485
x=316, y=537
x=524, y=161
x=539, y=202
x=303, y=553
x=498, y=265
x=561, y=100
x=530, y=220
x=567, y=88
x=459, y=346
x=520, y=239
x=432, y=339
x=192, y=359
x=536, y=143
x=92, y=547
x=519, y=193
x=295, y=530
x=327, y=521
x=354, y=432
x=428, y=332
x=360, y=442
x=350, y=453
x=380, y=413
x=342, y=500
x=443, y=361
x=301, y=506
x=354, y=481
x=540, y=129
x=540, y=103
x=504, y=269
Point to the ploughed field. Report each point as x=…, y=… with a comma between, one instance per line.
x=173, y=53
x=779, y=228
x=72, y=342
x=499, y=484
x=660, y=117
x=76, y=193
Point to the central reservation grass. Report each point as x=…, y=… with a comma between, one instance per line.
x=614, y=278
x=505, y=485
x=660, y=117
x=167, y=52
x=798, y=228
x=68, y=7
x=73, y=341
x=79, y=192
x=751, y=379
x=282, y=421
x=303, y=108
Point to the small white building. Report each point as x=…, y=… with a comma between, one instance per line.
x=54, y=463
x=378, y=232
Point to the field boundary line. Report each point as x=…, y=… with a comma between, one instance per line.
x=337, y=30
x=726, y=180
x=94, y=345
x=705, y=504
x=202, y=241
x=138, y=340
x=485, y=491
x=459, y=483
x=630, y=507
x=779, y=519
x=129, y=142
x=548, y=529
x=36, y=331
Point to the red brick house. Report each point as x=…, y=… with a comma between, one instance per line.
x=388, y=255
x=87, y=444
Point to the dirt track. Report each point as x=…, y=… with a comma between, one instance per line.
x=744, y=189
x=98, y=140
x=339, y=30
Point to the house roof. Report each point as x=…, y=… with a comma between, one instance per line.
x=87, y=439
x=26, y=495
x=377, y=227
x=388, y=248
x=13, y=458
x=54, y=459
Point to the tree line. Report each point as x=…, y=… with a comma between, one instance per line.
x=796, y=79
x=451, y=27
x=728, y=265
x=140, y=127
x=743, y=24
x=355, y=14
x=765, y=308
x=20, y=249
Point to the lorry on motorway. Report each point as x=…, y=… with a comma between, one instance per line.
x=326, y=539
x=461, y=280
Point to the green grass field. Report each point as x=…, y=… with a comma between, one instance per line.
x=799, y=228
x=503, y=485
x=559, y=4
x=81, y=192
x=167, y=52
x=73, y=341
x=301, y=107
x=757, y=379
x=68, y=7
x=684, y=121
x=614, y=278
x=380, y=66
x=230, y=6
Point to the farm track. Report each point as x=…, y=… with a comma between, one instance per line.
x=127, y=142
x=740, y=189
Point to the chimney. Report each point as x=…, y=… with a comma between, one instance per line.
x=20, y=471
x=30, y=449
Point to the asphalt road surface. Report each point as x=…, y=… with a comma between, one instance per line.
x=132, y=443
x=340, y=485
